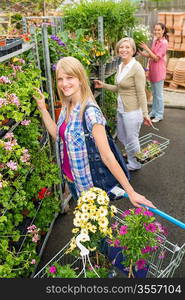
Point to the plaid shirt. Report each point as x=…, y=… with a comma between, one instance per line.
x=75, y=143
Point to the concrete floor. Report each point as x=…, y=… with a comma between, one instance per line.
x=162, y=181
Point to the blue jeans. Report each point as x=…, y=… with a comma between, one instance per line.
x=158, y=101
x=72, y=189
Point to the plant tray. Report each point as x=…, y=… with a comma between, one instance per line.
x=152, y=146
x=12, y=45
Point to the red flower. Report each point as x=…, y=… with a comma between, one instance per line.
x=42, y=193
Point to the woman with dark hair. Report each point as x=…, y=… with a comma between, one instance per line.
x=157, y=69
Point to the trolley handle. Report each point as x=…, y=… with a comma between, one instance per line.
x=166, y=216
x=119, y=192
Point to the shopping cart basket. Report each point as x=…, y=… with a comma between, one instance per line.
x=152, y=146
x=157, y=267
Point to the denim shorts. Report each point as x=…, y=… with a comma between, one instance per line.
x=72, y=188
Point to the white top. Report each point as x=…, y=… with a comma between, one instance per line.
x=120, y=76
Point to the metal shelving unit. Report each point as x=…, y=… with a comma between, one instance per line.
x=26, y=47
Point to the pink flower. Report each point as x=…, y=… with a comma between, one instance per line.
x=52, y=269
x=32, y=228
x=35, y=238
x=123, y=230
x=4, y=79
x=8, y=146
x=116, y=243
x=148, y=213
x=125, y=213
x=146, y=250
x=33, y=262
x=140, y=263
x=9, y=135
x=12, y=98
x=12, y=165
x=25, y=122
x=150, y=227
x=138, y=210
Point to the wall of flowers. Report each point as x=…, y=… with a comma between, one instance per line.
x=28, y=171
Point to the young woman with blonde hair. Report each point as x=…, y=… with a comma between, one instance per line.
x=75, y=93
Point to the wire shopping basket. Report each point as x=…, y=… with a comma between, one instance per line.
x=157, y=267
x=152, y=146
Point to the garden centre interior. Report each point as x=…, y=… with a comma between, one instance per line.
x=36, y=207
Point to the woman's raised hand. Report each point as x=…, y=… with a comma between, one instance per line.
x=98, y=84
x=40, y=99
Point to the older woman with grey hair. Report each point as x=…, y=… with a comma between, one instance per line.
x=132, y=110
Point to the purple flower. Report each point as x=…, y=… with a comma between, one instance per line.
x=148, y=213
x=138, y=210
x=60, y=43
x=52, y=269
x=114, y=225
x=125, y=213
x=116, y=243
x=146, y=250
x=140, y=263
x=4, y=79
x=150, y=227
x=25, y=122
x=123, y=230
x=54, y=67
x=54, y=37
x=12, y=165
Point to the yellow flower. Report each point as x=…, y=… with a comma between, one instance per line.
x=93, y=228
x=15, y=59
x=84, y=208
x=113, y=209
x=92, y=249
x=85, y=217
x=75, y=230
x=103, y=222
x=102, y=211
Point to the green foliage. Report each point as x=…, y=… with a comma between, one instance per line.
x=117, y=16
x=109, y=106
x=60, y=271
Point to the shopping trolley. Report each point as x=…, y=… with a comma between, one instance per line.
x=152, y=146
x=157, y=267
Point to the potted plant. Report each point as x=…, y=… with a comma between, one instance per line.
x=149, y=152
x=93, y=215
x=136, y=236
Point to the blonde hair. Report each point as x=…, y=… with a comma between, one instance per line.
x=73, y=67
x=126, y=39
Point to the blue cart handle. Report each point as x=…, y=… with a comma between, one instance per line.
x=166, y=216
x=121, y=192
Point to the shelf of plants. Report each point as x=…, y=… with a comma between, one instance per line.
x=28, y=171
x=152, y=146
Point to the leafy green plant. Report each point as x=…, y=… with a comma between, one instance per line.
x=138, y=235
x=60, y=271
x=16, y=88
x=116, y=16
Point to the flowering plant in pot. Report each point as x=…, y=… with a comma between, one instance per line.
x=149, y=152
x=136, y=236
x=140, y=33
x=93, y=215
